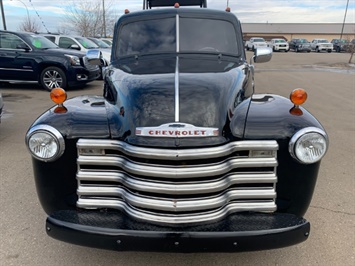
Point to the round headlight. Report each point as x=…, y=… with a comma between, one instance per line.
x=308, y=145
x=45, y=143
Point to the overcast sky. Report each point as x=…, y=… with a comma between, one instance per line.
x=50, y=14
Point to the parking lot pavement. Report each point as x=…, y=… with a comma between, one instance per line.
x=330, y=83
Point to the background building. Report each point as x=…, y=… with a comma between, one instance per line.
x=308, y=31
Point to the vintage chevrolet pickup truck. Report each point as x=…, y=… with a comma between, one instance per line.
x=180, y=154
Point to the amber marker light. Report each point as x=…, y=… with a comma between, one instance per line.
x=298, y=96
x=58, y=95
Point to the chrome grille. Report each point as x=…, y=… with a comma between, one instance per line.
x=87, y=65
x=177, y=186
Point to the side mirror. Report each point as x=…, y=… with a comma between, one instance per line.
x=262, y=54
x=75, y=47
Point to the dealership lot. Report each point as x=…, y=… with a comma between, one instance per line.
x=330, y=83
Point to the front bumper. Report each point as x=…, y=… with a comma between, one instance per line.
x=279, y=48
x=239, y=232
x=80, y=76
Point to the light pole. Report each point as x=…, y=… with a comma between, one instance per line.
x=3, y=14
x=342, y=28
x=28, y=13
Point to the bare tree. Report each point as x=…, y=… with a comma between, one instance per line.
x=86, y=17
x=30, y=25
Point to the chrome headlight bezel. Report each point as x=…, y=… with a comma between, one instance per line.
x=301, y=135
x=52, y=133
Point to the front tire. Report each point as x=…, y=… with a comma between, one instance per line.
x=53, y=77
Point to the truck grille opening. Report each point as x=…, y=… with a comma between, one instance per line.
x=177, y=186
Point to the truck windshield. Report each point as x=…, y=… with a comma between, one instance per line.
x=195, y=35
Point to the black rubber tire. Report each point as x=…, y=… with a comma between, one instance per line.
x=53, y=77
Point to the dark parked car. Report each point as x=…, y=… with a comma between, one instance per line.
x=180, y=153
x=300, y=45
x=340, y=45
x=31, y=58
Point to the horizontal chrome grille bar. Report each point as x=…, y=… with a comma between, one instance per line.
x=176, y=172
x=173, y=205
x=175, y=188
x=175, y=154
x=201, y=217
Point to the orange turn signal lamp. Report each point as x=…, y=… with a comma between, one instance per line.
x=298, y=96
x=58, y=95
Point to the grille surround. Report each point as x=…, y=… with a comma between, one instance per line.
x=170, y=193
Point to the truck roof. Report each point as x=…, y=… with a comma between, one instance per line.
x=159, y=3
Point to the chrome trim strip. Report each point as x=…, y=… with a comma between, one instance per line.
x=17, y=69
x=170, y=154
x=177, y=99
x=175, y=188
x=177, y=172
x=173, y=205
x=203, y=217
x=177, y=33
x=177, y=91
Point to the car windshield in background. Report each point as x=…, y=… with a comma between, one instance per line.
x=280, y=41
x=322, y=41
x=159, y=36
x=302, y=41
x=86, y=43
x=259, y=40
x=41, y=42
x=100, y=43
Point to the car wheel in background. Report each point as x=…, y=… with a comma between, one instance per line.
x=317, y=50
x=53, y=77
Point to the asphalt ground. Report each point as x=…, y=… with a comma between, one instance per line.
x=330, y=83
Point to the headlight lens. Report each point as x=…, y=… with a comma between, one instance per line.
x=308, y=145
x=74, y=60
x=45, y=143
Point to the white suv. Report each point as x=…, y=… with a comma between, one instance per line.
x=255, y=42
x=279, y=45
x=321, y=45
x=78, y=43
